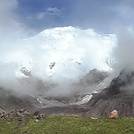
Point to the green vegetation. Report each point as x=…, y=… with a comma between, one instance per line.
x=68, y=125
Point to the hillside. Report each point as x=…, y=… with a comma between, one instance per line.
x=68, y=125
x=118, y=95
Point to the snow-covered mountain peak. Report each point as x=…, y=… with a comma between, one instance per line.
x=62, y=54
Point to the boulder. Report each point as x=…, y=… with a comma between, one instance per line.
x=113, y=115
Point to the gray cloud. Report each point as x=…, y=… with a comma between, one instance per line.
x=123, y=52
x=6, y=12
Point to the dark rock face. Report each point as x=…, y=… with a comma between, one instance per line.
x=113, y=97
x=94, y=77
x=124, y=104
x=124, y=79
x=25, y=71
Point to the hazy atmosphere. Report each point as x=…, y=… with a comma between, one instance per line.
x=57, y=42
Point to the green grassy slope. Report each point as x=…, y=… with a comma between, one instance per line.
x=68, y=125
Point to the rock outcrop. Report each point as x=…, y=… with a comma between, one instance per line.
x=94, y=77
x=113, y=97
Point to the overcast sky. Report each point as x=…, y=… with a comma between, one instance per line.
x=101, y=15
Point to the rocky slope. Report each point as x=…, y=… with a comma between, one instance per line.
x=123, y=103
x=10, y=100
x=117, y=96
x=114, y=97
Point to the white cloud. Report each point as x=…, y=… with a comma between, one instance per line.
x=73, y=51
x=50, y=11
x=54, y=11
